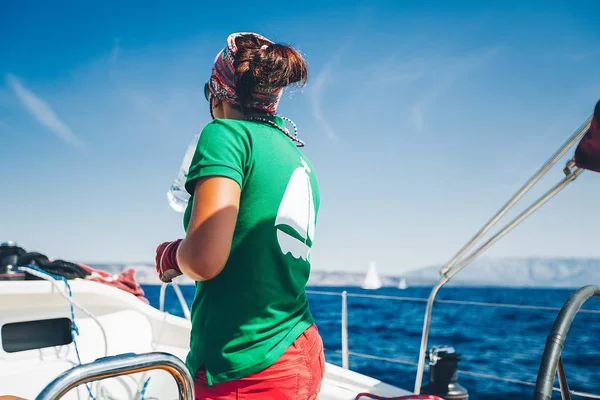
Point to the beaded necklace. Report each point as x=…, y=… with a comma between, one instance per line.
x=294, y=137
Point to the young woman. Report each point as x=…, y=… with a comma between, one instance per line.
x=250, y=225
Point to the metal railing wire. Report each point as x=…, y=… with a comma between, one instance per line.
x=455, y=302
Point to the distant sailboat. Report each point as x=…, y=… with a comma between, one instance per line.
x=402, y=284
x=372, y=280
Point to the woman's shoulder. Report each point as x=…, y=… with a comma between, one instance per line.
x=223, y=124
x=223, y=130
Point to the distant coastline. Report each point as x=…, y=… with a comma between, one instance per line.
x=499, y=272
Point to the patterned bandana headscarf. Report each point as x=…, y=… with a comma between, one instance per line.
x=222, y=80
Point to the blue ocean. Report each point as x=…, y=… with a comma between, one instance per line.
x=500, y=347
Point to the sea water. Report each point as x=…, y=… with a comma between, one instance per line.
x=497, y=341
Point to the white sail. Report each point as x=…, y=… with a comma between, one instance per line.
x=372, y=279
x=311, y=210
x=402, y=284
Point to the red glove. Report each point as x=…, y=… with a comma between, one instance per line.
x=166, y=261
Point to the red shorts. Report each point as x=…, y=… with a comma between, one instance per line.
x=297, y=374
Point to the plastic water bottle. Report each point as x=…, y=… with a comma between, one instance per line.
x=177, y=195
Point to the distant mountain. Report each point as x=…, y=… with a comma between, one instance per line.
x=511, y=272
x=520, y=272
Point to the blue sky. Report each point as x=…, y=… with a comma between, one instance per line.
x=421, y=119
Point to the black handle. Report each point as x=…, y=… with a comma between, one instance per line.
x=556, y=341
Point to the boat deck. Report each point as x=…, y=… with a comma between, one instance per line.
x=121, y=323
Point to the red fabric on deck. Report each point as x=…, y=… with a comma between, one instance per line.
x=124, y=281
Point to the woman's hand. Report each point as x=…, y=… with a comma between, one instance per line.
x=204, y=251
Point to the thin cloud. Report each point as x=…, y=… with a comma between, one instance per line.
x=452, y=70
x=394, y=70
x=115, y=52
x=316, y=96
x=417, y=111
x=42, y=112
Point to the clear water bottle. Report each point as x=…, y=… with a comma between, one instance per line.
x=177, y=195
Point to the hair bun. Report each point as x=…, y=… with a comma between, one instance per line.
x=261, y=64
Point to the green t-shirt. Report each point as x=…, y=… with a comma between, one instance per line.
x=245, y=318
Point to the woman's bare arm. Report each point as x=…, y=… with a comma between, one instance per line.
x=204, y=251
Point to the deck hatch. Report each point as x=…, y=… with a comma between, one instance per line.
x=30, y=335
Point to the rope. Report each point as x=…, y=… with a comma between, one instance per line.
x=143, y=392
x=36, y=271
x=53, y=279
x=32, y=269
x=60, y=268
x=161, y=300
x=182, y=303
